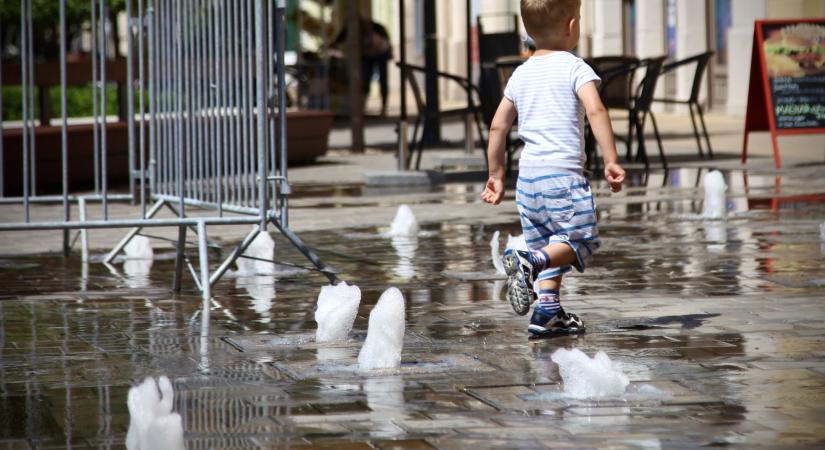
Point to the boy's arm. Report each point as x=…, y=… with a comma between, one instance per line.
x=502, y=121
x=600, y=124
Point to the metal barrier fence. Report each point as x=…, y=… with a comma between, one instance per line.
x=209, y=131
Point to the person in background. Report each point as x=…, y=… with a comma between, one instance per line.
x=376, y=53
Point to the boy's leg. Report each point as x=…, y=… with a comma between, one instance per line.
x=555, y=254
x=548, y=315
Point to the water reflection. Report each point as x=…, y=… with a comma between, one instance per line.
x=385, y=394
x=137, y=272
x=261, y=289
x=405, y=247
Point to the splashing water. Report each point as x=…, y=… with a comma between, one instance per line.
x=385, y=335
x=139, y=247
x=586, y=377
x=715, y=187
x=262, y=247
x=495, y=255
x=336, y=311
x=516, y=242
x=152, y=423
x=404, y=223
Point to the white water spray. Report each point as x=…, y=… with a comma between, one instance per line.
x=385, y=335
x=404, y=223
x=336, y=311
x=137, y=262
x=516, y=242
x=715, y=187
x=262, y=247
x=586, y=377
x=139, y=247
x=152, y=423
x=495, y=255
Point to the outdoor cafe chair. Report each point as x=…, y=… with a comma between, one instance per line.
x=701, y=61
x=638, y=106
x=408, y=72
x=616, y=88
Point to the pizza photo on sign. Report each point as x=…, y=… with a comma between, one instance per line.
x=795, y=50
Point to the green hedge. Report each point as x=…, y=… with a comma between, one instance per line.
x=78, y=101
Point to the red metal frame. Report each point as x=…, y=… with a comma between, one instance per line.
x=759, y=115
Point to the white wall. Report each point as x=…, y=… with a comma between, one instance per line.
x=607, y=28
x=691, y=39
x=740, y=41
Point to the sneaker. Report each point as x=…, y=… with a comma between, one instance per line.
x=542, y=323
x=520, y=276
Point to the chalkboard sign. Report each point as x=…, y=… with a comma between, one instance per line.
x=787, y=83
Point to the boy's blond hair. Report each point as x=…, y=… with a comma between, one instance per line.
x=547, y=18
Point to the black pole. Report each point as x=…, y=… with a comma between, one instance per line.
x=432, y=126
x=468, y=8
x=402, y=41
x=356, y=94
x=403, y=148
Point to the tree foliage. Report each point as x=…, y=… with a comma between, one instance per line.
x=46, y=21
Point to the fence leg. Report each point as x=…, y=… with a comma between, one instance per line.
x=194, y=229
x=181, y=246
x=328, y=271
x=203, y=257
x=84, y=235
x=132, y=233
x=206, y=294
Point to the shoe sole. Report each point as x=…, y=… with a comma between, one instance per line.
x=541, y=331
x=519, y=294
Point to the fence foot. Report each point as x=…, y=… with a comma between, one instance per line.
x=328, y=271
x=84, y=235
x=179, y=256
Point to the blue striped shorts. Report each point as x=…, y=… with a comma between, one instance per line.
x=557, y=206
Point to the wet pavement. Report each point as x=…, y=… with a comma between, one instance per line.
x=725, y=319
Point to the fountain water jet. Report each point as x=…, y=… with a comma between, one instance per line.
x=385, y=335
x=404, y=223
x=152, y=423
x=139, y=247
x=715, y=187
x=495, y=255
x=262, y=247
x=586, y=377
x=516, y=242
x=137, y=262
x=336, y=311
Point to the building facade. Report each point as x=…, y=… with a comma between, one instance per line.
x=642, y=28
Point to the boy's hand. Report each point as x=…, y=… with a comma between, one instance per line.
x=614, y=174
x=493, y=191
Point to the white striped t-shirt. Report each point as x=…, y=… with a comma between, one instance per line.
x=550, y=115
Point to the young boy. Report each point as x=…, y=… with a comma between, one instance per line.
x=550, y=93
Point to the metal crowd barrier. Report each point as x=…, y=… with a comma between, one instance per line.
x=209, y=133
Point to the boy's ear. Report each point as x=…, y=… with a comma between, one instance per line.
x=571, y=26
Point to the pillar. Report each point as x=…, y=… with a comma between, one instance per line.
x=740, y=40
x=651, y=37
x=607, y=28
x=691, y=39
